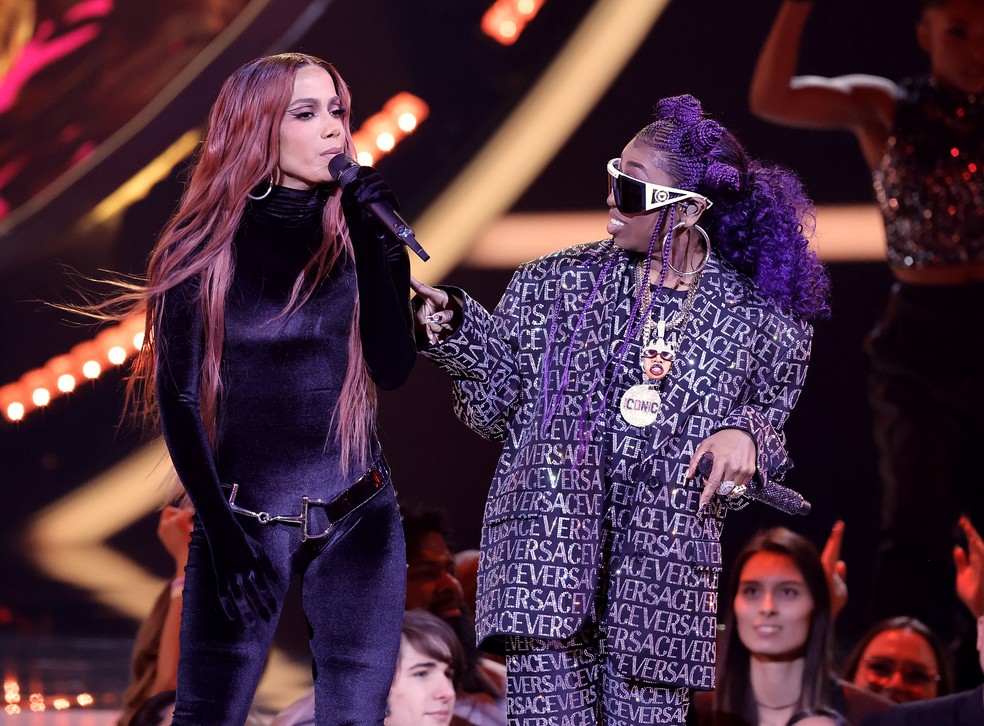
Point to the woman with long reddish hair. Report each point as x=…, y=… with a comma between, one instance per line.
x=274, y=308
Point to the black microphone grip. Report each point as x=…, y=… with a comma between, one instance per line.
x=774, y=495
x=343, y=169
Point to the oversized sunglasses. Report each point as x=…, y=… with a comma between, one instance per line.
x=633, y=196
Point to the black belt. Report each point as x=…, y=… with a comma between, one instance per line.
x=364, y=489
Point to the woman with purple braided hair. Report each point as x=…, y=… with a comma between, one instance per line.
x=923, y=139
x=608, y=370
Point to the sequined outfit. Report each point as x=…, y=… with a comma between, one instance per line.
x=930, y=182
x=594, y=565
x=927, y=378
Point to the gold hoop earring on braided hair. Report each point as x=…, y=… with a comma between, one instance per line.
x=707, y=255
x=265, y=194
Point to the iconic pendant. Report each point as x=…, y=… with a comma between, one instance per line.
x=640, y=405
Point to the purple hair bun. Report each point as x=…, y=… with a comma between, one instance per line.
x=722, y=176
x=705, y=135
x=684, y=109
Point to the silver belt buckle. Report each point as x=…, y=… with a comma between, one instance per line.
x=306, y=504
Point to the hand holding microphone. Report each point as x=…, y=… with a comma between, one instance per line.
x=775, y=495
x=364, y=189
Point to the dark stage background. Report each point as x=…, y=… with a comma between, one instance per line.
x=433, y=48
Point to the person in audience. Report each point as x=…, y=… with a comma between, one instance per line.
x=154, y=665
x=775, y=662
x=433, y=585
x=430, y=661
x=959, y=709
x=428, y=669
x=902, y=659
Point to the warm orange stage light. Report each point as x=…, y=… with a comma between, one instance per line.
x=383, y=131
x=505, y=20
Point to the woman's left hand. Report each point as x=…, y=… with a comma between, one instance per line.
x=734, y=460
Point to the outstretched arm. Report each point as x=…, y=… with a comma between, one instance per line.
x=862, y=104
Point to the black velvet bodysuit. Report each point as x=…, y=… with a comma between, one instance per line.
x=282, y=376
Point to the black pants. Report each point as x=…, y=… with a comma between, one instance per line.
x=353, y=584
x=927, y=393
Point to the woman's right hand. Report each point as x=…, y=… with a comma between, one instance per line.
x=438, y=313
x=245, y=578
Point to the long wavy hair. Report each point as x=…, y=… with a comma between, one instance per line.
x=760, y=214
x=734, y=699
x=240, y=152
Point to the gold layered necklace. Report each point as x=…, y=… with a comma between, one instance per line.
x=641, y=404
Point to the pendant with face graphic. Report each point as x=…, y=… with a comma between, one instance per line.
x=657, y=356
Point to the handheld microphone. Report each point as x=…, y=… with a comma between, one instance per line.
x=775, y=495
x=343, y=169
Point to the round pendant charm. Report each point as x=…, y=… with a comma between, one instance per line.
x=640, y=405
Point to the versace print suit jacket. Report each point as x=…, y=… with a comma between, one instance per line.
x=541, y=541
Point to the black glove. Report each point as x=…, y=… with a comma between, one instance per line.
x=245, y=578
x=368, y=186
x=383, y=270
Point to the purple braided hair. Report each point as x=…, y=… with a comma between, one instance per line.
x=760, y=210
x=757, y=221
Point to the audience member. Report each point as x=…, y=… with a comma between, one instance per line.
x=432, y=584
x=775, y=656
x=960, y=709
x=428, y=668
x=154, y=665
x=423, y=691
x=902, y=659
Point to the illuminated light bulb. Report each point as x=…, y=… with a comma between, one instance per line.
x=138, y=340
x=66, y=383
x=41, y=397
x=61, y=704
x=12, y=709
x=116, y=355
x=507, y=29
x=91, y=369
x=37, y=702
x=85, y=699
x=407, y=122
x=15, y=412
x=385, y=141
x=526, y=7
x=365, y=158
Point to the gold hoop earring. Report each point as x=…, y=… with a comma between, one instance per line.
x=265, y=194
x=707, y=255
